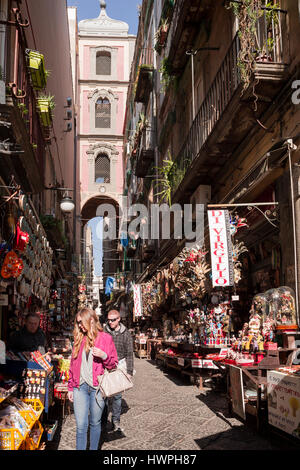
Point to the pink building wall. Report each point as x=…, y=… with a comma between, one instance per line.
x=121, y=63
x=86, y=62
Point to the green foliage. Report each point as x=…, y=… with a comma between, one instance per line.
x=23, y=109
x=50, y=100
x=167, y=73
x=248, y=13
x=170, y=178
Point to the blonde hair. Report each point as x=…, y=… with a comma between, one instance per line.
x=91, y=323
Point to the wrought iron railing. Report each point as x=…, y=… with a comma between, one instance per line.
x=227, y=80
x=18, y=78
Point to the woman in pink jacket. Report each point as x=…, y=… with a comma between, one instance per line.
x=93, y=351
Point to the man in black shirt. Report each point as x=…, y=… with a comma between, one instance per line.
x=30, y=338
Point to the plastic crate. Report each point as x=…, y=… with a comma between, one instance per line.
x=10, y=439
x=29, y=416
x=30, y=444
x=36, y=405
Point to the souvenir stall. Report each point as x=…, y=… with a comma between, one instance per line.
x=26, y=379
x=25, y=394
x=188, y=329
x=265, y=346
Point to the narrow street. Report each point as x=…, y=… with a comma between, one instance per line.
x=163, y=412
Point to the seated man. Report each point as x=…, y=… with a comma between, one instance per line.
x=30, y=338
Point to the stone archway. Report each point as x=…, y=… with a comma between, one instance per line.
x=90, y=210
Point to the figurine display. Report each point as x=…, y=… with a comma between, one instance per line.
x=214, y=329
x=260, y=305
x=282, y=308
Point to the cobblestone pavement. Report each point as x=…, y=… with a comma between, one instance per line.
x=166, y=412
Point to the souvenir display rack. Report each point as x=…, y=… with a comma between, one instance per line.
x=29, y=377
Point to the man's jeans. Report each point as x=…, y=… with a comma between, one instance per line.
x=88, y=410
x=116, y=408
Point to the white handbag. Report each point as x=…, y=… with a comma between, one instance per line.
x=113, y=382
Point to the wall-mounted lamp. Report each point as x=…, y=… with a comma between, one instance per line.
x=67, y=204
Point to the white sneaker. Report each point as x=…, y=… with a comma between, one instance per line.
x=117, y=426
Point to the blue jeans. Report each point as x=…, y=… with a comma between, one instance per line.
x=116, y=408
x=88, y=410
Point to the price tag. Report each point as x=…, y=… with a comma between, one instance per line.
x=196, y=363
x=208, y=364
x=223, y=352
x=180, y=361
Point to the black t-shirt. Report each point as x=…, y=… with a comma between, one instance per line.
x=25, y=341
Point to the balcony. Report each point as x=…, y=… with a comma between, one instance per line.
x=227, y=115
x=187, y=18
x=20, y=126
x=145, y=153
x=144, y=78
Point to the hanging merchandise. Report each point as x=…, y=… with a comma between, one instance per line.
x=189, y=272
x=137, y=296
x=109, y=285
x=9, y=226
x=12, y=266
x=21, y=239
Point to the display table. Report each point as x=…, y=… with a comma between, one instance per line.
x=247, y=385
x=190, y=359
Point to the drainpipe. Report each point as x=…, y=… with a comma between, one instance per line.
x=155, y=127
x=296, y=236
x=74, y=185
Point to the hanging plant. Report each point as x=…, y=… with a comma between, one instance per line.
x=45, y=106
x=248, y=13
x=165, y=180
x=167, y=76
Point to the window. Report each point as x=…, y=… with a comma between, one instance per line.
x=102, y=113
x=103, y=63
x=102, y=169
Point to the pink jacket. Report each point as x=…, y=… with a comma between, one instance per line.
x=103, y=341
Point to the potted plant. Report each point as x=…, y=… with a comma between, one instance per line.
x=36, y=67
x=45, y=106
x=163, y=31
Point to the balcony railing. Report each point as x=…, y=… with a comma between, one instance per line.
x=24, y=100
x=226, y=82
x=145, y=153
x=144, y=76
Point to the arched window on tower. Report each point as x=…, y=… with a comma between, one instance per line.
x=102, y=168
x=102, y=113
x=103, y=63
